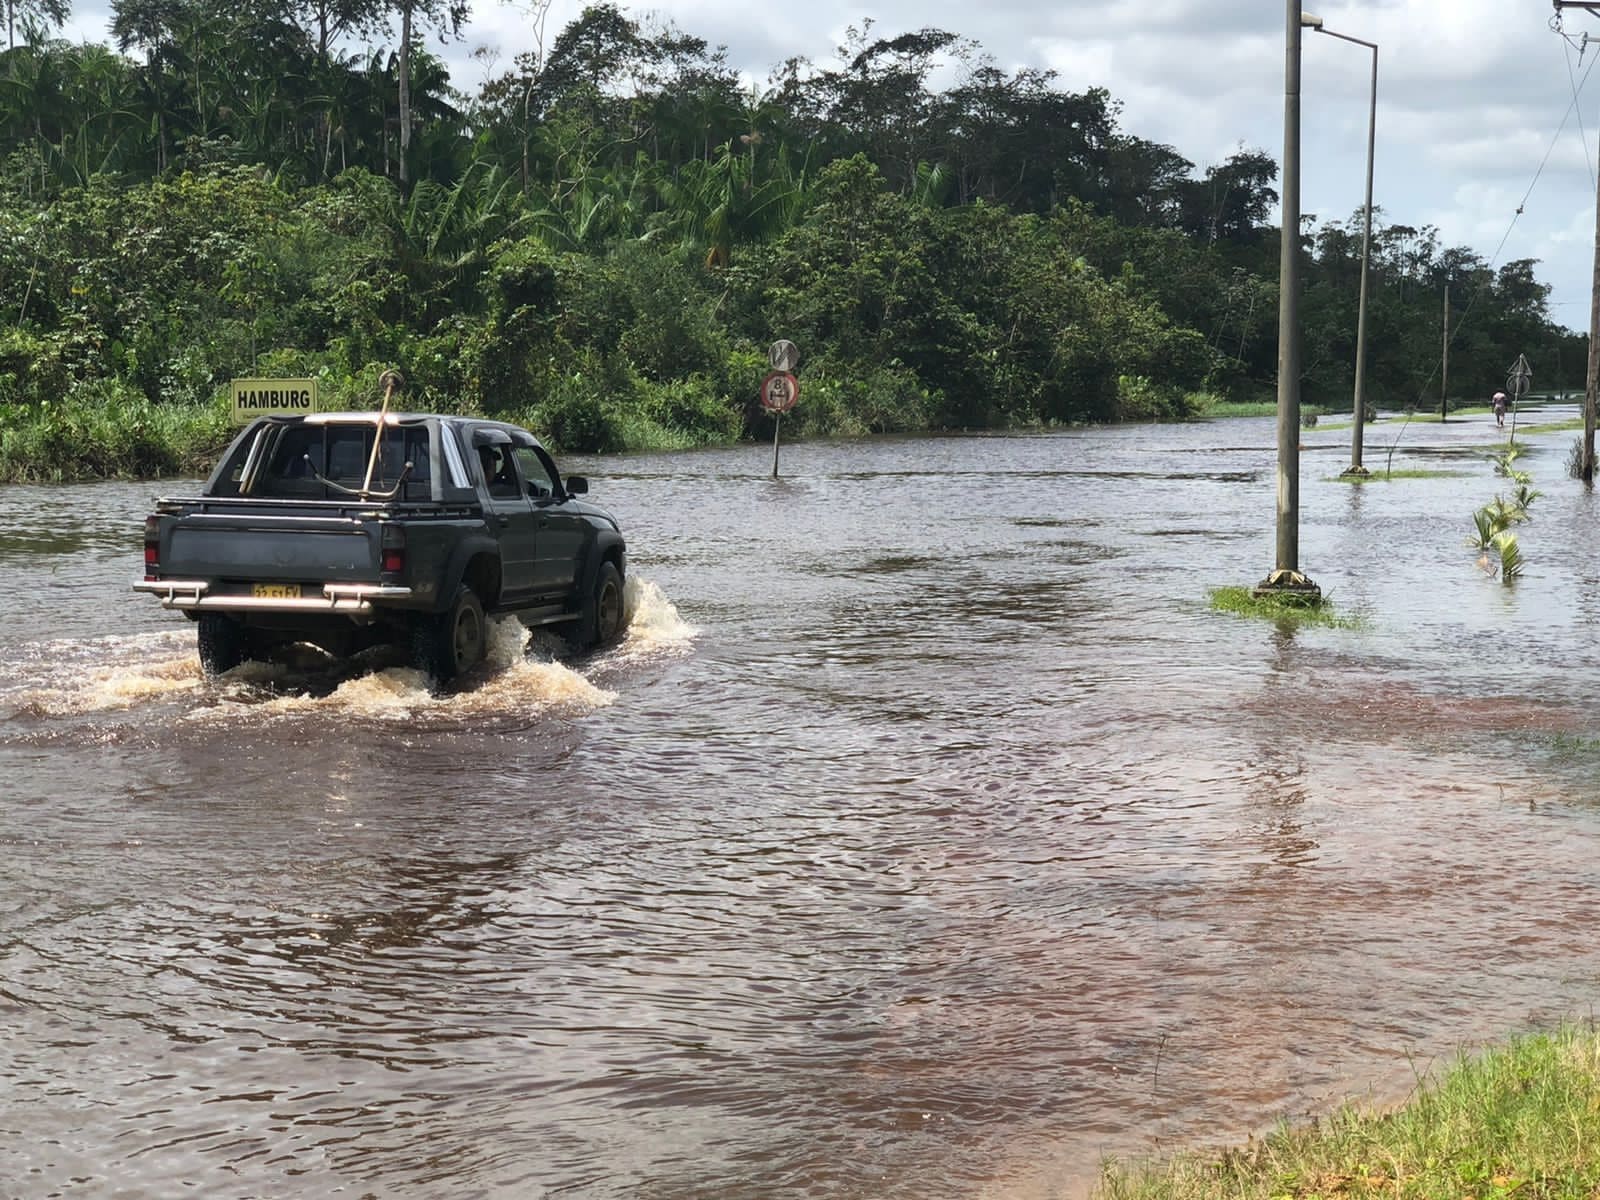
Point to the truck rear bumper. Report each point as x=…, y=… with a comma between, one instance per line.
x=195, y=595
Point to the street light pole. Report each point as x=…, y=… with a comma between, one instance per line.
x=1591, y=388
x=1286, y=579
x=1355, y=467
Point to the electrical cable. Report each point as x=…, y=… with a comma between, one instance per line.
x=1582, y=46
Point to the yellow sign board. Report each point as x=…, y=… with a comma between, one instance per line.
x=254, y=398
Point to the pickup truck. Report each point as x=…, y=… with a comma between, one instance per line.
x=352, y=530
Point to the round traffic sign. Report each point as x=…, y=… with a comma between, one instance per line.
x=779, y=391
x=783, y=355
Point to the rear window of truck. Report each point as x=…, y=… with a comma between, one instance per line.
x=316, y=461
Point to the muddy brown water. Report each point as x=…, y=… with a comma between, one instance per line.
x=928, y=836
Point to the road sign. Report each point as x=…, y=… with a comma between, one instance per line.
x=254, y=398
x=779, y=392
x=784, y=355
x=1520, y=377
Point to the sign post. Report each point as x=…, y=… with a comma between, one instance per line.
x=254, y=398
x=1517, y=382
x=780, y=390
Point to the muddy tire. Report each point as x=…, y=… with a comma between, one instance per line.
x=602, y=618
x=221, y=641
x=447, y=644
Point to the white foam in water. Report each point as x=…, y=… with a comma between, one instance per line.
x=654, y=623
x=521, y=673
x=74, y=677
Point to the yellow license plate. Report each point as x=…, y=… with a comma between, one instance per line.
x=275, y=591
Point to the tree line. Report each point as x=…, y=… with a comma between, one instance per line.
x=602, y=238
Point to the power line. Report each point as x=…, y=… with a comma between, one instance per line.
x=1574, y=106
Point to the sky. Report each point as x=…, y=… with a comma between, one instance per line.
x=1482, y=105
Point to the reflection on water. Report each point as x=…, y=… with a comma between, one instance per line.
x=927, y=835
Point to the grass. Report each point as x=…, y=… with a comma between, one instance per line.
x=1381, y=476
x=108, y=434
x=1347, y=422
x=1521, y=1122
x=1573, y=746
x=1251, y=408
x=1241, y=603
x=1551, y=427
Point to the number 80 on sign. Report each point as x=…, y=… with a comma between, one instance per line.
x=779, y=392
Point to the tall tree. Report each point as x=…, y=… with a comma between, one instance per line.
x=150, y=25
x=326, y=21
x=447, y=16
x=34, y=14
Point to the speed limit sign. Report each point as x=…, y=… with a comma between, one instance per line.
x=779, y=391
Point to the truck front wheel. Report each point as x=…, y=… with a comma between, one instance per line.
x=221, y=642
x=449, y=643
x=603, y=616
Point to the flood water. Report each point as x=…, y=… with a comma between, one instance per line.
x=929, y=836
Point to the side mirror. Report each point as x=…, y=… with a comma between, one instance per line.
x=577, y=485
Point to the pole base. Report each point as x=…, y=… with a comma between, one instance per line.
x=1355, y=471
x=1289, y=586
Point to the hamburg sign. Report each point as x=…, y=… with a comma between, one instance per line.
x=254, y=398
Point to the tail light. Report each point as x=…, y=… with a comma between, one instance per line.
x=392, y=544
x=152, y=547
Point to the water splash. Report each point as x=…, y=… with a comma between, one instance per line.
x=654, y=624
x=108, y=675
x=522, y=674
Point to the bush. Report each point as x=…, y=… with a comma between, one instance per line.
x=107, y=429
x=31, y=369
x=579, y=410
x=692, y=408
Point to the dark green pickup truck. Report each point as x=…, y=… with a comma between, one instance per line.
x=316, y=529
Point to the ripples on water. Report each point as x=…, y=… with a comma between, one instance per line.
x=928, y=835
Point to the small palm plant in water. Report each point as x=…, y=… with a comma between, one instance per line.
x=1505, y=543
x=1501, y=553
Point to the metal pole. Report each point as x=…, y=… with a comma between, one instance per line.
x=1356, y=467
x=1286, y=574
x=777, y=426
x=1367, y=250
x=1592, y=376
x=1366, y=256
x=1444, y=359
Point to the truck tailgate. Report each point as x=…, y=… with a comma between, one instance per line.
x=268, y=549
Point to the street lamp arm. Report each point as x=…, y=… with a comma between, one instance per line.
x=1345, y=37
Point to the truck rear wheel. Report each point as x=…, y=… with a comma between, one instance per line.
x=221, y=643
x=449, y=643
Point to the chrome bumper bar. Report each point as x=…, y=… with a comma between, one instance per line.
x=346, y=598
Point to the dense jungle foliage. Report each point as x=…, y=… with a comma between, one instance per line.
x=602, y=240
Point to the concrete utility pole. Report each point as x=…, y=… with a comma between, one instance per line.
x=1592, y=377
x=1286, y=579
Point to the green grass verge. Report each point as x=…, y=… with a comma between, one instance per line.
x=1381, y=476
x=1251, y=408
x=1335, y=426
x=1550, y=427
x=1242, y=603
x=1521, y=1121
